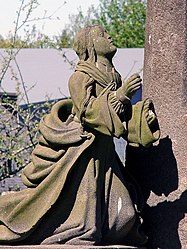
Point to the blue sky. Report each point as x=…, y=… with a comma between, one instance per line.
x=50, y=27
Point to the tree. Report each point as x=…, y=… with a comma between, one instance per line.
x=62, y=40
x=32, y=37
x=18, y=126
x=19, y=131
x=124, y=20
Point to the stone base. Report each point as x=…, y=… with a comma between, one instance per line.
x=69, y=247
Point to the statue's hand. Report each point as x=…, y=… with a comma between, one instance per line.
x=126, y=91
x=133, y=83
x=149, y=112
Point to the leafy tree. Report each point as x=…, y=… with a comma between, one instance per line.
x=62, y=40
x=124, y=20
x=39, y=40
x=79, y=20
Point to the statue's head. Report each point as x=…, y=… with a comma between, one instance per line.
x=93, y=41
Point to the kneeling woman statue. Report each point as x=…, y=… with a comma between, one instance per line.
x=78, y=191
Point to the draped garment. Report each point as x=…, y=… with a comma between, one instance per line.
x=77, y=192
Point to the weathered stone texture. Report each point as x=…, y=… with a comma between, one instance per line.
x=165, y=82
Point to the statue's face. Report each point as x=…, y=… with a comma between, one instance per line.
x=103, y=43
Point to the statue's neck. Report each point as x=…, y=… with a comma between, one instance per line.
x=104, y=64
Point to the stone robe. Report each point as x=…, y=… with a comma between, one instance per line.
x=77, y=188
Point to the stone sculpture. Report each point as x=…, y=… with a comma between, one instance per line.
x=78, y=192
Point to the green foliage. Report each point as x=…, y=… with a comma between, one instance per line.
x=31, y=36
x=38, y=40
x=80, y=20
x=63, y=40
x=124, y=20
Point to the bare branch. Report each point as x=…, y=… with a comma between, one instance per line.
x=22, y=81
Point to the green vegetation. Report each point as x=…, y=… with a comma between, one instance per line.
x=124, y=20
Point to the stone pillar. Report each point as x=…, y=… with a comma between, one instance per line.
x=165, y=82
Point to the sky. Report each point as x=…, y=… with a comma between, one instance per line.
x=61, y=9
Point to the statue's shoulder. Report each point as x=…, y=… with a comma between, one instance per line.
x=78, y=78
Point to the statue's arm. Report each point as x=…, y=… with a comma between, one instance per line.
x=101, y=113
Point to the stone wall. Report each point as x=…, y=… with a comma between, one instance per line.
x=162, y=169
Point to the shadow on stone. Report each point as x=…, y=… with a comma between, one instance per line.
x=155, y=170
x=162, y=222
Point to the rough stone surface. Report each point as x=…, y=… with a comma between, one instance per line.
x=164, y=174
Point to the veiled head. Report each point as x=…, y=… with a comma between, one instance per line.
x=93, y=41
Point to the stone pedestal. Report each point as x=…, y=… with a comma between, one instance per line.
x=165, y=82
